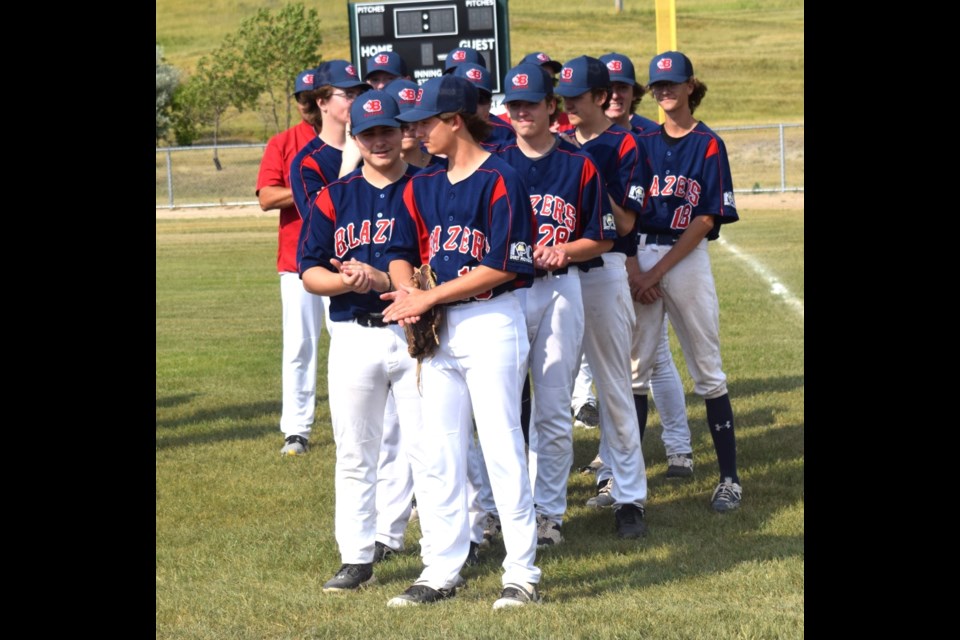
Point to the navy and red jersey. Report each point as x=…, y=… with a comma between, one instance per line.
x=622, y=163
x=567, y=194
x=484, y=219
x=316, y=166
x=351, y=218
x=691, y=177
x=275, y=172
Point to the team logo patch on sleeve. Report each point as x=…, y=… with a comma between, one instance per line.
x=521, y=252
x=609, y=224
x=636, y=193
x=728, y=199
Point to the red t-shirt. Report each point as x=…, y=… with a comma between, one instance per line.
x=275, y=172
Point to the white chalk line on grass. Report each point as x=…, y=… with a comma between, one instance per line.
x=776, y=287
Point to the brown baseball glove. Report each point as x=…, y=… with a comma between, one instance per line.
x=423, y=336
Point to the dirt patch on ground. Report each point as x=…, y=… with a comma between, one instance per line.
x=792, y=201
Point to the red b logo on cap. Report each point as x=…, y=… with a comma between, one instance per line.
x=475, y=75
x=520, y=80
x=372, y=106
x=542, y=57
x=407, y=95
x=350, y=70
x=566, y=73
x=459, y=54
x=308, y=79
x=665, y=64
x=381, y=59
x=615, y=65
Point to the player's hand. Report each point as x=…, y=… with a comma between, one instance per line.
x=353, y=266
x=644, y=286
x=407, y=304
x=650, y=295
x=353, y=275
x=550, y=258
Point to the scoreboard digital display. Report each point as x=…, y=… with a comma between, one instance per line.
x=424, y=31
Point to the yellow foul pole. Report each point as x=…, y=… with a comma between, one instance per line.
x=666, y=32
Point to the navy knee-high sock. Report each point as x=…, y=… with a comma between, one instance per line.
x=720, y=422
x=641, y=403
x=525, y=410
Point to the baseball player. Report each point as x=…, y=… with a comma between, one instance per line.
x=691, y=196
x=500, y=131
x=342, y=254
x=625, y=94
x=665, y=383
x=473, y=223
x=584, y=82
x=405, y=92
x=383, y=68
x=302, y=311
x=575, y=223
x=562, y=122
x=335, y=85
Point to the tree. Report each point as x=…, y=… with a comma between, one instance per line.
x=219, y=83
x=275, y=48
x=168, y=79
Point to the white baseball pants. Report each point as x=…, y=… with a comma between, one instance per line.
x=480, y=364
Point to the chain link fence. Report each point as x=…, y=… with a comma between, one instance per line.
x=763, y=159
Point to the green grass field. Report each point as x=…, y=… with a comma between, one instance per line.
x=750, y=53
x=244, y=538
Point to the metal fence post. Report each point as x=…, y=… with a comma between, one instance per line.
x=783, y=162
x=169, y=179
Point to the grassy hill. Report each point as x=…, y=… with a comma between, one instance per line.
x=749, y=52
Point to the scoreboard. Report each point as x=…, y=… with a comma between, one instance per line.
x=424, y=31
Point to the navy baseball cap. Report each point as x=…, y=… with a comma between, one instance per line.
x=461, y=55
x=448, y=93
x=528, y=82
x=539, y=57
x=373, y=109
x=475, y=73
x=580, y=75
x=404, y=92
x=620, y=68
x=337, y=73
x=388, y=61
x=671, y=66
x=304, y=81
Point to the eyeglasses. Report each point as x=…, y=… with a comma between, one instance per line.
x=347, y=95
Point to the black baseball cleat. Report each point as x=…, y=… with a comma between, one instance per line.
x=381, y=552
x=421, y=594
x=630, y=523
x=350, y=577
